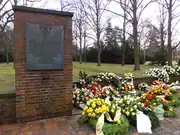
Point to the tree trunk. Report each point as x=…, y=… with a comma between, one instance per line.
x=124, y=39
x=7, y=55
x=76, y=53
x=84, y=55
x=99, y=53
x=135, y=38
x=84, y=47
x=13, y=58
x=169, y=47
x=162, y=43
x=98, y=41
x=123, y=55
x=80, y=51
x=80, y=41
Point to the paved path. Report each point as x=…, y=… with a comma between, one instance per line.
x=70, y=126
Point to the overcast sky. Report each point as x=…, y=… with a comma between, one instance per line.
x=151, y=12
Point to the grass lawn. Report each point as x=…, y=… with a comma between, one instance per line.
x=92, y=68
x=7, y=73
x=7, y=78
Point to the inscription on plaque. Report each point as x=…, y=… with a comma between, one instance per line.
x=44, y=46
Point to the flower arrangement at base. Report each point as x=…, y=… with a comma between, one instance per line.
x=158, y=83
x=159, y=90
x=127, y=86
x=129, y=105
x=128, y=75
x=81, y=96
x=106, y=79
x=94, y=108
x=94, y=87
x=170, y=70
x=143, y=87
x=98, y=115
x=109, y=91
x=150, y=101
x=177, y=70
x=158, y=73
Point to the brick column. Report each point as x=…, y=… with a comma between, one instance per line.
x=37, y=98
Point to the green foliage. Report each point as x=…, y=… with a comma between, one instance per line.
x=113, y=129
x=83, y=119
x=170, y=114
x=168, y=97
x=169, y=110
x=154, y=119
x=173, y=101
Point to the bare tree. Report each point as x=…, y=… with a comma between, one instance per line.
x=85, y=43
x=124, y=30
x=94, y=10
x=163, y=32
x=6, y=16
x=134, y=10
x=171, y=6
x=79, y=22
x=65, y=5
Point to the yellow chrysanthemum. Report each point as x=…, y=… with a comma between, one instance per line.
x=99, y=103
x=93, y=105
x=93, y=115
x=90, y=110
x=85, y=108
x=104, y=107
x=89, y=114
x=97, y=111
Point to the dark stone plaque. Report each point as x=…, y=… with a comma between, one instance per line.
x=44, y=46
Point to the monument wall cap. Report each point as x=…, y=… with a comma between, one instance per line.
x=39, y=10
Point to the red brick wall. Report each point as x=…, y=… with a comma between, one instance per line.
x=37, y=98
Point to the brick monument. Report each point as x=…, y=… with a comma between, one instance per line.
x=43, y=63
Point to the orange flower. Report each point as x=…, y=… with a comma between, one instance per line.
x=149, y=97
x=145, y=103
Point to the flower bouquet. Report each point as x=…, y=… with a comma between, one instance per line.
x=94, y=87
x=177, y=69
x=129, y=107
x=81, y=96
x=154, y=103
x=159, y=90
x=127, y=86
x=157, y=82
x=143, y=87
x=150, y=101
x=106, y=79
x=158, y=73
x=170, y=70
x=128, y=75
x=109, y=91
x=97, y=114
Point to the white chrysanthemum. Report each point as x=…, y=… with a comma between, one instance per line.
x=158, y=73
x=169, y=69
